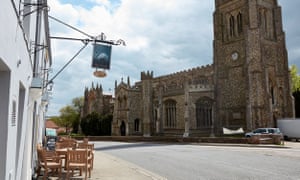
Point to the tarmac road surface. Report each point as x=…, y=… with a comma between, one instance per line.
x=206, y=161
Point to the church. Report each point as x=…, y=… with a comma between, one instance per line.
x=247, y=85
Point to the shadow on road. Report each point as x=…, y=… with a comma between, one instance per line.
x=130, y=145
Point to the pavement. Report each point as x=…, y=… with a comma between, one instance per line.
x=107, y=167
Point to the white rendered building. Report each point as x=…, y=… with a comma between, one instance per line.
x=25, y=58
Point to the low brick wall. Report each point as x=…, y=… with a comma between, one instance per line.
x=170, y=139
x=266, y=139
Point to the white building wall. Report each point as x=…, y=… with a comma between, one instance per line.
x=18, y=98
x=14, y=54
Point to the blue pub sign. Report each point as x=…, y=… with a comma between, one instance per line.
x=101, y=56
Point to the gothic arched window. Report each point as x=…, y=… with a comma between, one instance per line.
x=272, y=91
x=231, y=26
x=124, y=104
x=264, y=20
x=240, y=23
x=272, y=95
x=170, y=113
x=119, y=102
x=136, y=125
x=204, y=112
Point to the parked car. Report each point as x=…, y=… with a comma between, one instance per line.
x=51, y=143
x=51, y=137
x=264, y=131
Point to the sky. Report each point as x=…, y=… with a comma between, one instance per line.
x=161, y=36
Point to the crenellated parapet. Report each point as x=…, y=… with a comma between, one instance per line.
x=200, y=70
x=146, y=75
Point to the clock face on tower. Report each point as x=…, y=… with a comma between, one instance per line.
x=234, y=55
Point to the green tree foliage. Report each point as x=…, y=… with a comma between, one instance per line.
x=77, y=104
x=57, y=120
x=296, y=95
x=295, y=77
x=68, y=116
x=106, y=121
x=95, y=124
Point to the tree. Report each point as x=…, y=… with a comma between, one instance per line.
x=68, y=116
x=56, y=120
x=106, y=125
x=90, y=124
x=296, y=95
x=95, y=124
x=295, y=77
x=296, y=88
x=77, y=104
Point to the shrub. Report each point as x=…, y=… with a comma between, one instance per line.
x=95, y=124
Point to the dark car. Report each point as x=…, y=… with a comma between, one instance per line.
x=51, y=141
x=51, y=137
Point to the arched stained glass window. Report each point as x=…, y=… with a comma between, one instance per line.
x=240, y=23
x=231, y=26
x=170, y=113
x=204, y=112
x=136, y=125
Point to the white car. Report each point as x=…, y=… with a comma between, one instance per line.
x=263, y=131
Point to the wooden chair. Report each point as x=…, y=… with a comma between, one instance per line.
x=61, y=145
x=86, y=140
x=63, y=156
x=70, y=143
x=78, y=160
x=38, y=148
x=49, y=161
x=91, y=153
x=82, y=145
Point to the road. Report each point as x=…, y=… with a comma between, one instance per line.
x=205, y=162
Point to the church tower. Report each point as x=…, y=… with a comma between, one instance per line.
x=252, y=84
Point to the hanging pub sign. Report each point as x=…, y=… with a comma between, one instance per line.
x=101, y=56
